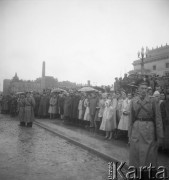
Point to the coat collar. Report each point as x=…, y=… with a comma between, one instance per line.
x=144, y=101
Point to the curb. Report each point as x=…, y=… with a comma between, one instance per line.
x=84, y=146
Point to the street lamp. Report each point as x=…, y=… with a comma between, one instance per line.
x=142, y=55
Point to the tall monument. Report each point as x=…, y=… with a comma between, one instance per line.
x=43, y=81
x=43, y=69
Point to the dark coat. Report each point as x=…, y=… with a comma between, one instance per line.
x=67, y=106
x=75, y=103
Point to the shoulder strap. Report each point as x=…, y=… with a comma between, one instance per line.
x=142, y=107
x=138, y=111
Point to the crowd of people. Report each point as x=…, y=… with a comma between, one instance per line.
x=107, y=112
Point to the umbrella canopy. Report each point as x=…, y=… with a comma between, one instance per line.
x=87, y=89
x=133, y=84
x=57, y=90
x=18, y=93
x=99, y=88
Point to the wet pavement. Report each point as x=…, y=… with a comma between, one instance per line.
x=115, y=150
x=36, y=154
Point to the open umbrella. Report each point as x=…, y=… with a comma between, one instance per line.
x=57, y=90
x=99, y=88
x=133, y=84
x=18, y=93
x=87, y=89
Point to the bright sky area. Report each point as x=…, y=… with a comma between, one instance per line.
x=79, y=40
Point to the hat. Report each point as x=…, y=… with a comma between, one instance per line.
x=149, y=88
x=156, y=93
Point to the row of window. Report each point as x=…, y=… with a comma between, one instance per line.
x=166, y=65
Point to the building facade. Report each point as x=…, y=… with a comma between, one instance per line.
x=156, y=61
x=45, y=82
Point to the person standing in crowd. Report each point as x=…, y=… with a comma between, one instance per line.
x=5, y=104
x=156, y=96
x=21, y=109
x=61, y=104
x=57, y=113
x=13, y=106
x=158, y=88
x=150, y=91
x=92, y=108
x=101, y=107
x=108, y=122
x=81, y=109
x=67, y=108
x=96, y=117
x=144, y=130
x=87, y=111
x=75, y=103
x=52, y=107
x=37, y=102
x=118, y=111
x=124, y=120
x=29, y=109
x=166, y=125
x=47, y=99
x=163, y=115
x=42, y=113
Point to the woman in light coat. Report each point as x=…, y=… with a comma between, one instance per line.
x=124, y=120
x=52, y=107
x=87, y=111
x=109, y=117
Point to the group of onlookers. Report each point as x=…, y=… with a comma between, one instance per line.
x=132, y=79
x=107, y=112
x=22, y=105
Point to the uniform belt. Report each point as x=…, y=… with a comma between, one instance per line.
x=144, y=119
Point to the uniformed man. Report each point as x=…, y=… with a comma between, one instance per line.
x=145, y=130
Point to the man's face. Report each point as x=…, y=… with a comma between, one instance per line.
x=150, y=92
x=143, y=90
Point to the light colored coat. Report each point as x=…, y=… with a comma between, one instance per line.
x=29, y=109
x=87, y=111
x=143, y=141
x=124, y=120
x=80, y=109
x=52, y=107
x=109, y=116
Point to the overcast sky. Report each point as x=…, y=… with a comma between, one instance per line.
x=79, y=40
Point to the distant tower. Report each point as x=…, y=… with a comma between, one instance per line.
x=43, y=69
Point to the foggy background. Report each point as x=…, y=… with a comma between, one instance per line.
x=79, y=40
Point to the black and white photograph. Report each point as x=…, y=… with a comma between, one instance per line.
x=84, y=89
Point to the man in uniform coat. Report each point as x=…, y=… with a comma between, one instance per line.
x=145, y=130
